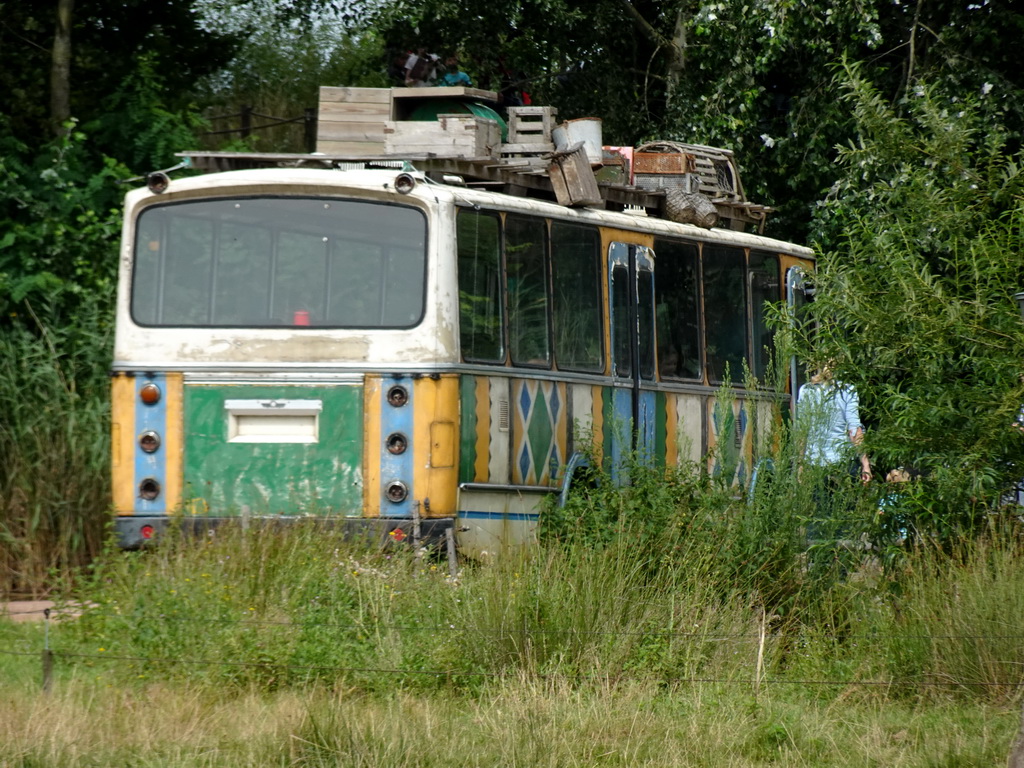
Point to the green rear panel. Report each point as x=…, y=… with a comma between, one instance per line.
x=323, y=477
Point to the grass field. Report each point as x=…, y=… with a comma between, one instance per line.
x=262, y=648
x=511, y=722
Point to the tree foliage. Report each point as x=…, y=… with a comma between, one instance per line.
x=110, y=40
x=921, y=236
x=751, y=75
x=59, y=218
x=287, y=50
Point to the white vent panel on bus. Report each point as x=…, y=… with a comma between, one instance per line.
x=273, y=421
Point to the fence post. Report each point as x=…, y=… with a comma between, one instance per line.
x=47, y=655
x=760, y=653
x=310, y=129
x=453, y=561
x=246, y=121
x=47, y=670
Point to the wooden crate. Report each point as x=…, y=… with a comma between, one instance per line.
x=405, y=101
x=572, y=178
x=531, y=125
x=455, y=136
x=351, y=121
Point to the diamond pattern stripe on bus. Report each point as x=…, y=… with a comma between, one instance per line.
x=538, y=407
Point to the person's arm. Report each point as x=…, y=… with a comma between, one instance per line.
x=857, y=438
x=855, y=431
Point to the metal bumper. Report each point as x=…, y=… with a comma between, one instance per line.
x=138, y=531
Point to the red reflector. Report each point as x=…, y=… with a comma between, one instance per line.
x=150, y=394
x=146, y=531
x=398, y=534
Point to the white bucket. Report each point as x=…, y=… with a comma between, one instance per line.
x=585, y=129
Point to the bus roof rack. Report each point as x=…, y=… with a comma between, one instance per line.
x=454, y=133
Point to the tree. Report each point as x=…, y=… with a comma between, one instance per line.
x=63, y=59
x=286, y=52
x=751, y=75
x=60, y=71
x=922, y=235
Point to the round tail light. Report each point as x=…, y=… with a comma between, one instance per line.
x=397, y=443
x=149, y=441
x=149, y=489
x=150, y=394
x=398, y=396
x=396, y=491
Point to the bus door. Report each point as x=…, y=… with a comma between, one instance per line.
x=799, y=293
x=631, y=304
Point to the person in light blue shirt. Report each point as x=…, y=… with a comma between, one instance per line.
x=828, y=417
x=829, y=411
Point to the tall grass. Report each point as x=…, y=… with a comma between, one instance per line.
x=298, y=648
x=305, y=605
x=961, y=616
x=54, y=449
x=279, y=609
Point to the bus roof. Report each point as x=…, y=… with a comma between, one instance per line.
x=380, y=183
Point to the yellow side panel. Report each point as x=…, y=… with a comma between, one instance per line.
x=372, y=393
x=597, y=414
x=173, y=443
x=787, y=261
x=609, y=236
x=122, y=401
x=442, y=444
x=435, y=467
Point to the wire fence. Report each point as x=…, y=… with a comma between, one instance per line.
x=48, y=655
x=448, y=628
x=246, y=127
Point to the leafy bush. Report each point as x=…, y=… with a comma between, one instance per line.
x=920, y=238
x=58, y=265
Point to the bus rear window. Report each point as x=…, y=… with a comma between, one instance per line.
x=271, y=261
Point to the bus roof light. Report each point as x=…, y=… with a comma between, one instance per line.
x=158, y=181
x=404, y=183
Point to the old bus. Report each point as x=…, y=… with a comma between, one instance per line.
x=375, y=347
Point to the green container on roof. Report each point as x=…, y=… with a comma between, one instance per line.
x=430, y=110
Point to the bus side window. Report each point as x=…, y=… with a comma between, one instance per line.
x=763, y=279
x=528, y=314
x=725, y=312
x=576, y=272
x=676, y=291
x=481, y=319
